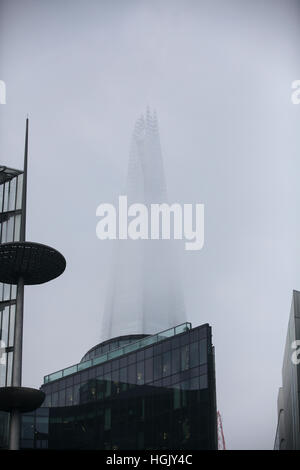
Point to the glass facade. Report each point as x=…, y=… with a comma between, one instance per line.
x=160, y=395
x=10, y=223
x=288, y=427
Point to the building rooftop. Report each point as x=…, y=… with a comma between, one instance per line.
x=141, y=343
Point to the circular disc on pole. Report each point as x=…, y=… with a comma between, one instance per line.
x=34, y=262
x=23, y=399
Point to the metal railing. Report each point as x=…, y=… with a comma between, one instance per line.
x=131, y=347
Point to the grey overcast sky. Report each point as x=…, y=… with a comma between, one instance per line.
x=219, y=74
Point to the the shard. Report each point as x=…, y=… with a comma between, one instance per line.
x=144, y=293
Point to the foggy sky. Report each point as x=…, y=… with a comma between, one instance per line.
x=219, y=74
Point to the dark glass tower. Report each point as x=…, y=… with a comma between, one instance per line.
x=133, y=392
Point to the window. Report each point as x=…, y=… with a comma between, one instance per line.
x=140, y=373
x=27, y=427
x=166, y=363
x=55, y=399
x=132, y=377
x=149, y=370
x=176, y=398
x=194, y=355
x=107, y=419
x=203, y=382
x=123, y=375
x=175, y=361
x=184, y=357
x=61, y=398
x=203, y=351
x=157, y=367
x=69, y=396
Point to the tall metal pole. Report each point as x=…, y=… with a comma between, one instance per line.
x=15, y=416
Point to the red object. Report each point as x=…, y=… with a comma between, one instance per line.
x=221, y=438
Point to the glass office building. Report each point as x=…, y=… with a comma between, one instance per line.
x=10, y=223
x=288, y=426
x=132, y=392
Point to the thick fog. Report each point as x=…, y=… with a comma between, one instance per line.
x=219, y=75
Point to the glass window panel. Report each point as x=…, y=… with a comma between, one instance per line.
x=4, y=329
x=140, y=356
x=6, y=292
x=5, y=206
x=61, y=398
x=184, y=357
x=11, y=325
x=182, y=328
x=113, y=354
x=13, y=292
x=107, y=419
x=149, y=370
x=70, y=370
x=107, y=387
x=9, y=368
x=100, y=389
x=55, y=399
x=1, y=197
x=131, y=347
x=175, y=361
x=203, y=351
x=123, y=374
x=47, y=401
x=132, y=377
x=10, y=229
x=84, y=365
x=99, y=360
x=4, y=229
x=55, y=375
x=115, y=375
x=3, y=363
x=157, y=367
x=131, y=358
x=194, y=383
x=203, y=382
x=27, y=427
x=140, y=373
x=148, y=352
x=69, y=396
x=12, y=194
x=150, y=340
x=17, y=227
x=76, y=394
x=19, y=192
x=42, y=424
x=176, y=398
x=194, y=355
x=115, y=364
x=166, y=364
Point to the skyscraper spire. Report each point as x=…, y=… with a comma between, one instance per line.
x=144, y=294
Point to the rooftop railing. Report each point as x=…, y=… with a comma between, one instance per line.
x=131, y=347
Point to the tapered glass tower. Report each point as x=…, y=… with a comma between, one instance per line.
x=144, y=294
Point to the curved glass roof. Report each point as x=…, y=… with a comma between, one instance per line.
x=6, y=174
